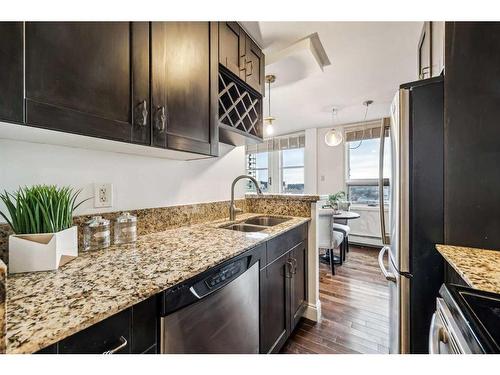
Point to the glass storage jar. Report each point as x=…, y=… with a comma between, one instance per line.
x=125, y=228
x=96, y=234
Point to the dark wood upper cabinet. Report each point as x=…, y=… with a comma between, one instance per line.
x=241, y=55
x=472, y=134
x=11, y=71
x=232, y=48
x=254, y=65
x=89, y=78
x=184, y=107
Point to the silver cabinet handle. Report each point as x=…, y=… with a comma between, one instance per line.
x=294, y=265
x=290, y=272
x=383, y=126
x=388, y=275
x=160, y=119
x=141, y=114
x=123, y=344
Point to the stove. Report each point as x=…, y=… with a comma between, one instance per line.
x=466, y=321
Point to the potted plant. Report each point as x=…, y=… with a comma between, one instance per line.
x=335, y=200
x=41, y=217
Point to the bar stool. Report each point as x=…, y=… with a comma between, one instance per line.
x=337, y=242
x=345, y=230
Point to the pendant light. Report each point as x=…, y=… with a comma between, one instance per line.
x=333, y=137
x=366, y=103
x=270, y=78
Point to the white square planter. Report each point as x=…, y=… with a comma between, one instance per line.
x=42, y=252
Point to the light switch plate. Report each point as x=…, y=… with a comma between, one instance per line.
x=103, y=195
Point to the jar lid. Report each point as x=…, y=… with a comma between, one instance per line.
x=97, y=221
x=126, y=217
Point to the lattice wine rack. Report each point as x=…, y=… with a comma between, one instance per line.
x=239, y=108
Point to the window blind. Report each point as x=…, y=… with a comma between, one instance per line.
x=291, y=141
x=369, y=130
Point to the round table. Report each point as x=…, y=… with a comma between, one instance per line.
x=341, y=218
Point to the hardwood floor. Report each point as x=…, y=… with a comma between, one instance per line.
x=355, y=310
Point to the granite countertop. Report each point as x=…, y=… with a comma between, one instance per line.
x=479, y=268
x=295, y=197
x=45, y=307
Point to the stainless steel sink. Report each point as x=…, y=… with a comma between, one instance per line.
x=266, y=221
x=245, y=228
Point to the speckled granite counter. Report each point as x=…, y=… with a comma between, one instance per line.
x=281, y=204
x=294, y=197
x=45, y=307
x=479, y=268
x=3, y=276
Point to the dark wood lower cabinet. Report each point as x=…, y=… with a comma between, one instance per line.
x=274, y=311
x=298, y=283
x=134, y=330
x=283, y=289
x=112, y=334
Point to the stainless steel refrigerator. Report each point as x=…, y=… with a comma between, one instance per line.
x=413, y=268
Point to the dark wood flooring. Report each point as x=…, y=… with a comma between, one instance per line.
x=355, y=310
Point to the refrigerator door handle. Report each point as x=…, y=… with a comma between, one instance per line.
x=383, y=126
x=388, y=275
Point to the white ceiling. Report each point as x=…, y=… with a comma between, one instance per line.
x=369, y=61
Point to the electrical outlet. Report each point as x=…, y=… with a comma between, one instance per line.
x=103, y=195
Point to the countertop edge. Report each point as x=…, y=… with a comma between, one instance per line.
x=31, y=347
x=294, y=197
x=485, y=277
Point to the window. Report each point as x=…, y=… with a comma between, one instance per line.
x=280, y=159
x=292, y=171
x=258, y=167
x=362, y=148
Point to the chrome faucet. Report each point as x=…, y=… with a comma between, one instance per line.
x=232, y=208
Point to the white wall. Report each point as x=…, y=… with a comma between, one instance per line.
x=331, y=165
x=311, y=162
x=138, y=182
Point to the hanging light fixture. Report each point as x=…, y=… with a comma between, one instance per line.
x=333, y=137
x=270, y=78
x=366, y=103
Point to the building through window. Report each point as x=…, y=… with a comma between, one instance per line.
x=362, y=152
x=278, y=164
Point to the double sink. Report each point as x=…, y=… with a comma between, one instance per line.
x=256, y=224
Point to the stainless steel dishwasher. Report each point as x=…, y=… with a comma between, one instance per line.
x=216, y=312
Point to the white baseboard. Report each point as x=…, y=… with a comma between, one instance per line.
x=313, y=312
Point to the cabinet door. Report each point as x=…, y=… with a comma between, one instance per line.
x=89, y=78
x=184, y=86
x=11, y=72
x=424, y=52
x=232, y=47
x=144, y=326
x=254, y=66
x=298, y=284
x=110, y=334
x=274, y=305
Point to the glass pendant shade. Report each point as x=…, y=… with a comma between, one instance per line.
x=269, y=129
x=333, y=137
